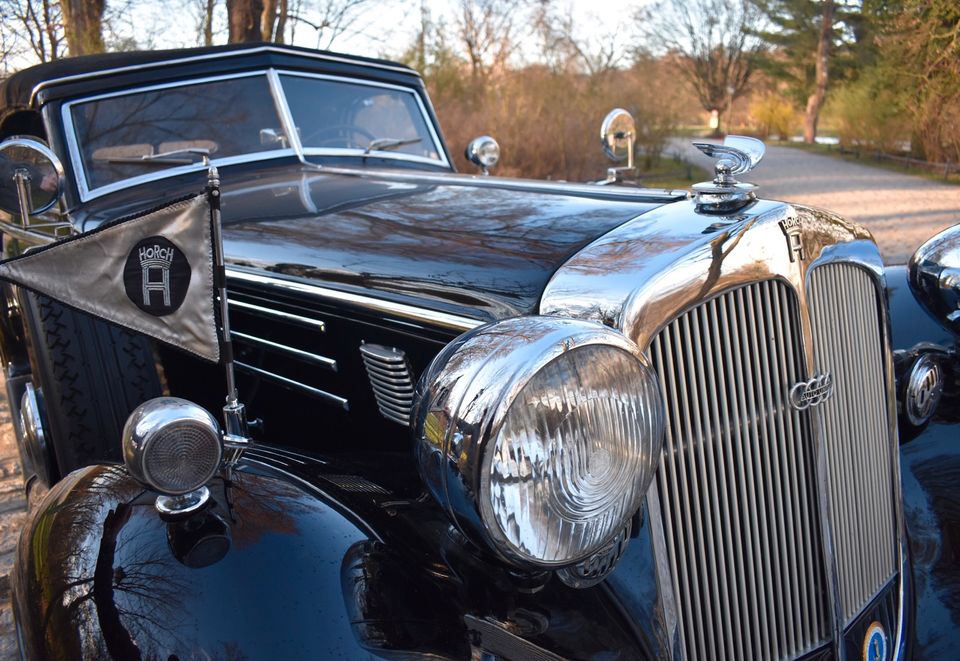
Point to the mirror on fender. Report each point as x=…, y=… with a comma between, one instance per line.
x=618, y=134
x=935, y=277
x=31, y=176
x=484, y=152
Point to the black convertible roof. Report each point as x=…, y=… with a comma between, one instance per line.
x=19, y=91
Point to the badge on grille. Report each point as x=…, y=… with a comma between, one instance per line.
x=791, y=229
x=813, y=392
x=875, y=643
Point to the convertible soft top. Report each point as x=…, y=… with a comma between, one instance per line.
x=25, y=89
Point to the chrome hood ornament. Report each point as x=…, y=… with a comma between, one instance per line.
x=737, y=155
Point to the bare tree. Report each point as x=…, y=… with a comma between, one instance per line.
x=563, y=49
x=32, y=29
x=83, y=25
x=712, y=43
x=488, y=30
x=812, y=116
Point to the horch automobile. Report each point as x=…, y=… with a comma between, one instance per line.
x=485, y=418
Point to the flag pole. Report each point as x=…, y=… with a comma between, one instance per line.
x=236, y=432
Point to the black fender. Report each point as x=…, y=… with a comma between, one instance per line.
x=930, y=475
x=282, y=565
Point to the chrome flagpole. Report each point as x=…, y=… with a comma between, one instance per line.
x=236, y=436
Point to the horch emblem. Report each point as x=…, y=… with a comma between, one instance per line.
x=792, y=230
x=156, y=276
x=813, y=392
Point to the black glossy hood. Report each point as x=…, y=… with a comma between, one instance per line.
x=480, y=247
x=487, y=251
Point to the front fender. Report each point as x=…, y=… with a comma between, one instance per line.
x=278, y=567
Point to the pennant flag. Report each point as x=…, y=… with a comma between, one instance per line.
x=152, y=273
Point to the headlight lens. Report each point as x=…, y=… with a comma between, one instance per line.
x=540, y=435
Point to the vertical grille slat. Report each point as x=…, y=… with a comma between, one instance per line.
x=736, y=501
x=857, y=441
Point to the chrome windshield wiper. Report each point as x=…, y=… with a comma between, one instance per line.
x=389, y=143
x=167, y=157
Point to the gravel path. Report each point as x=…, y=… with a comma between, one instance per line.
x=902, y=211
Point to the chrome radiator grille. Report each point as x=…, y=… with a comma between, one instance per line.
x=736, y=487
x=846, y=318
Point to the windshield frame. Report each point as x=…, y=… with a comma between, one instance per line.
x=284, y=114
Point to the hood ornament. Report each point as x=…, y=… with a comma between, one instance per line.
x=737, y=155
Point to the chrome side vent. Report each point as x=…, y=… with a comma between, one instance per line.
x=390, y=379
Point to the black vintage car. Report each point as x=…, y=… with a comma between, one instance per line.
x=490, y=418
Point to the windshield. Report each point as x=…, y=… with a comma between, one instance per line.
x=122, y=139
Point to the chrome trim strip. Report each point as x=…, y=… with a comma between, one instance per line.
x=322, y=361
x=409, y=312
x=214, y=56
x=282, y=380
x=279, y=314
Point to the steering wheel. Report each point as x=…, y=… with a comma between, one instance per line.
x=345, y=133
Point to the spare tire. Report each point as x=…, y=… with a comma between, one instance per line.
x=91, y=375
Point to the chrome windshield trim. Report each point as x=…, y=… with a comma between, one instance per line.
x=216, y=56
x=317, y=359
x=409, y=312
x=285, y=115
x=424, y=115
x=280, y=314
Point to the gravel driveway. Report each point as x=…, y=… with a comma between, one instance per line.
x=902, y=211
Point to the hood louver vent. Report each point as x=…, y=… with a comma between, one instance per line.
x=391, y=381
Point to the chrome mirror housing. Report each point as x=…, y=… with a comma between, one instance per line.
x=31, y=177
x=618, y=135
x=484, y=152
x=935, y=277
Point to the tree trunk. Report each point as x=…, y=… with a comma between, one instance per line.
x=208, y=24
x=243, y=18
x=823, y=58
x=83, y=25
x=268, y=20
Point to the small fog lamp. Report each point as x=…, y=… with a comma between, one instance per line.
x=174, y=447
x=484, y=152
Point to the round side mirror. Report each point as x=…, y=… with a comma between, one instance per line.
x=31, y=176
x=617, y=135
x=484, y=152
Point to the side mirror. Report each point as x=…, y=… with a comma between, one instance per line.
x=935, y=277
x=618, y=135
x=31, y=177
x=484, y=152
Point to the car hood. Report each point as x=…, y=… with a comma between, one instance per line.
x=479, y=248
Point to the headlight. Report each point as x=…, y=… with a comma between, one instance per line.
x=540, y=436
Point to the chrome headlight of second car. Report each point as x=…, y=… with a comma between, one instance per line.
x=540, y=436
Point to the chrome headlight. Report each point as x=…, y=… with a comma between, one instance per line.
x=171, y=445
x=540, y=436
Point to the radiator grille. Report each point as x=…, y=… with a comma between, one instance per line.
x=847, y=343
x=736, y=488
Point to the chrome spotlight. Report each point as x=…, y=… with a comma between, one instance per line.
x=174, y=447
x=484, y=152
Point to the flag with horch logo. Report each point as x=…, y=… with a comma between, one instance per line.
x=152, y=273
